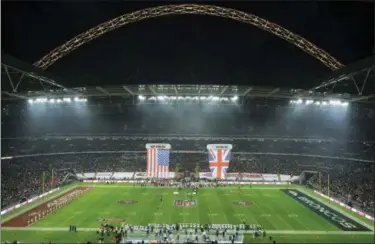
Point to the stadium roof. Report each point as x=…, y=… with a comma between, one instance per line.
x=23, y=81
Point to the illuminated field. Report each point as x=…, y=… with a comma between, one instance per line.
x=283, y=212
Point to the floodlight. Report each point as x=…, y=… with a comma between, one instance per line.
x=41, y=100
x=334, y=102
x=344, y=104
x=67, y=99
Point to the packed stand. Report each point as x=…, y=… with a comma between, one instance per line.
x=353, y=184
x=118, y=144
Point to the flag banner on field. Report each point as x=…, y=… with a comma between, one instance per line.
x=158, y=160
x=219, y=156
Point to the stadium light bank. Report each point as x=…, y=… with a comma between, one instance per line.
x=43, y=100
x=334, y=103
x=187, y=98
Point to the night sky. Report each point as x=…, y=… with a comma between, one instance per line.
x=189, y=49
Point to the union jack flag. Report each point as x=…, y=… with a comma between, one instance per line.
x=157, y=163
x=219, y=162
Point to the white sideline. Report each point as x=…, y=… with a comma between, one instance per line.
x=296, y=232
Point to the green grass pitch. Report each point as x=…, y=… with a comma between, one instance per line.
x=279, y=214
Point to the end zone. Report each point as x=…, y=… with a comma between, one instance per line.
x=331, y=215
x=44, y=209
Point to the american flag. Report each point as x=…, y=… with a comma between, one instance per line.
x=219, y=162
x=157, y=163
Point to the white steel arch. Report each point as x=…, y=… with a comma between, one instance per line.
x=181, y=9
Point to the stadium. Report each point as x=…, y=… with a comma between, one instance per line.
x=221, y=162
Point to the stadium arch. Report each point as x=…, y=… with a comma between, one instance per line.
x=184, y=9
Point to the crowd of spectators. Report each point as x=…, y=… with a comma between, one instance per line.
x=22, y=178
x=81, y=144
x=352, y=184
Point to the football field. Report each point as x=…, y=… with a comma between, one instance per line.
x=290, y=215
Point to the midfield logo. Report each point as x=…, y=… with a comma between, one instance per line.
x=331, y=215
x=185, y=203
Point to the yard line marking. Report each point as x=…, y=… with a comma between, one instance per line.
x=267, y=195
x=213, y=214
x=69, y=218
x=221, y=205
x=158, y=213
x=293, y=215
x=205, y=194
x=184, y=214
x=143, y=216
x=265, y=215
